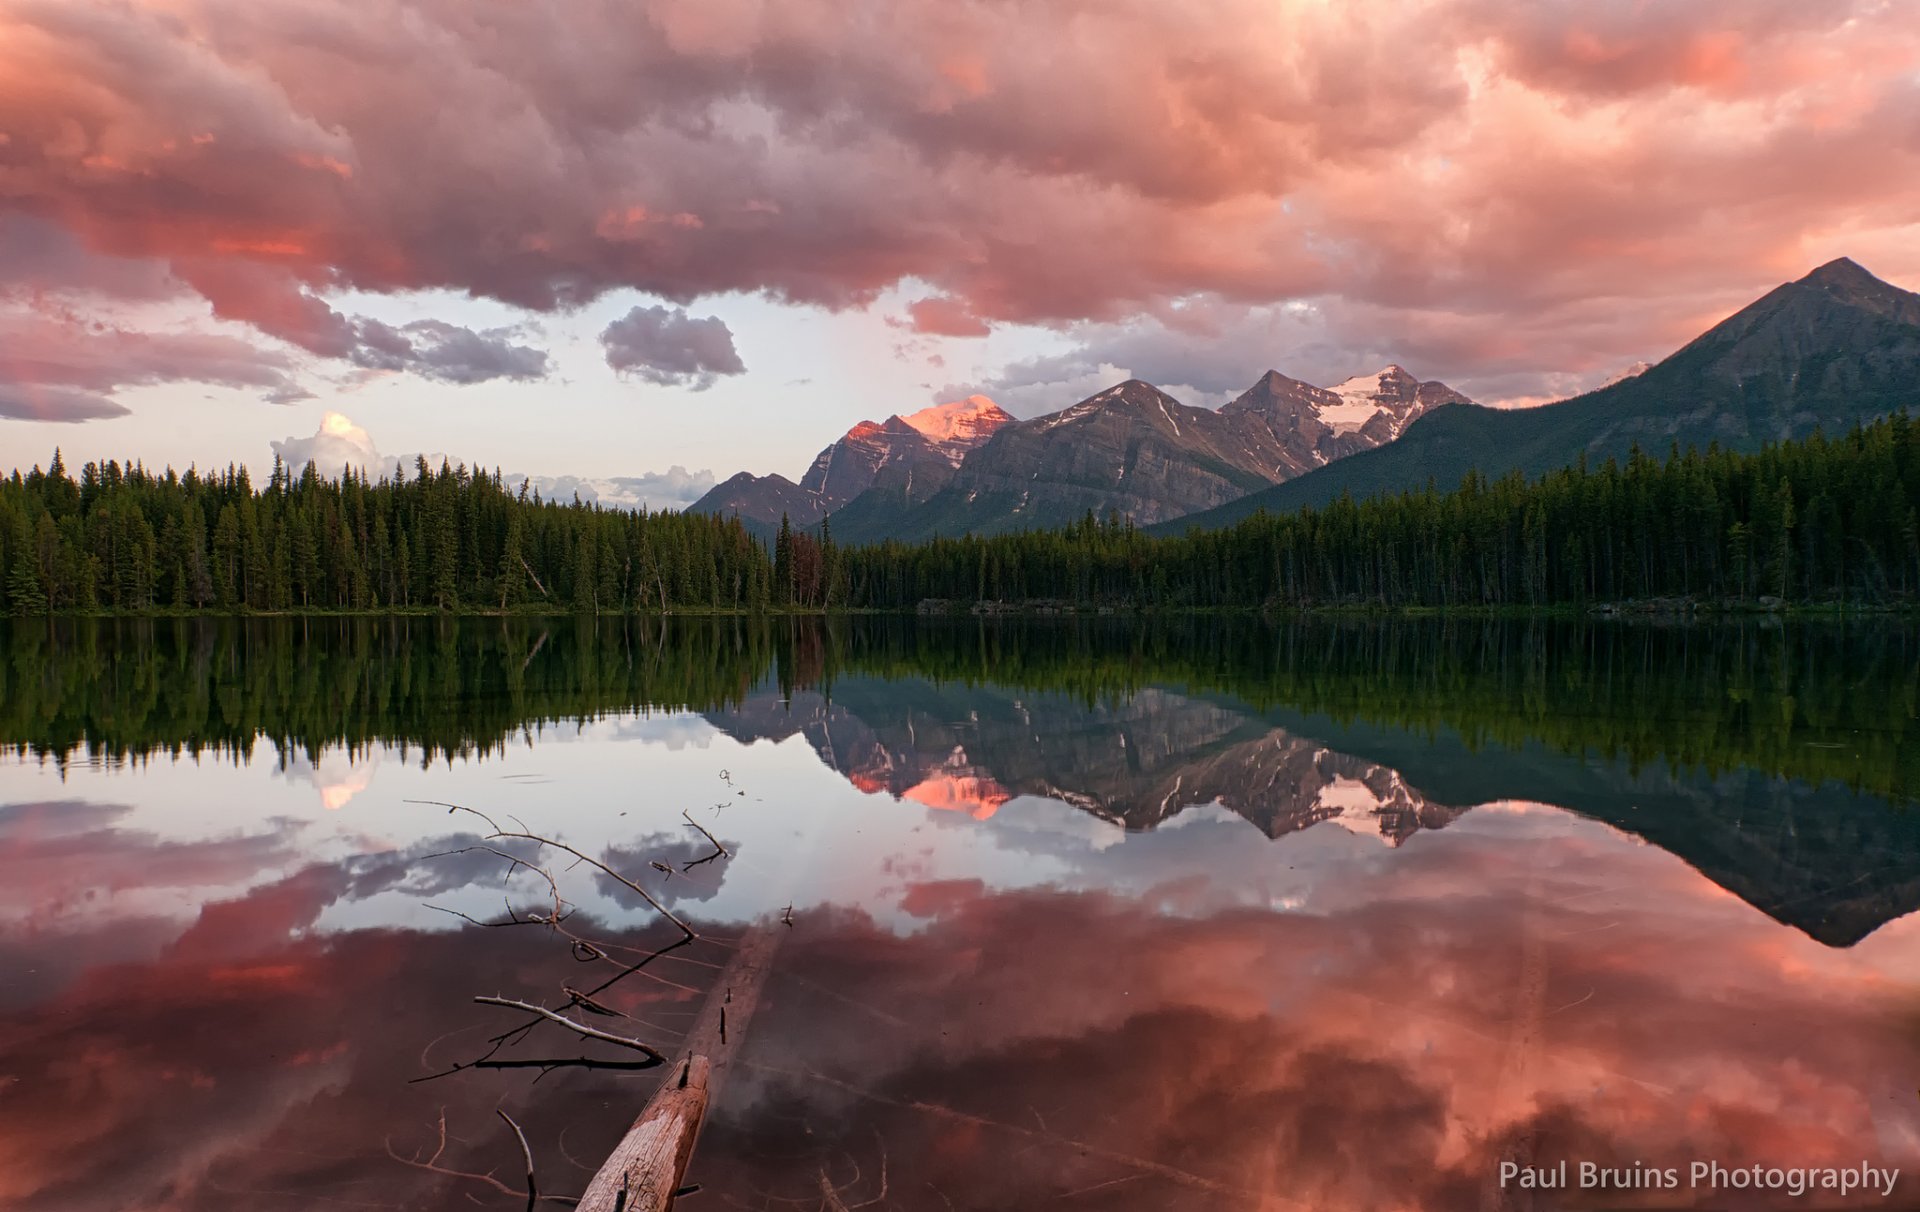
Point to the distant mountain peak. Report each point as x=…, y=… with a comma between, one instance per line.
x=1386, y=400
x=1846, y=281
x=1841, y=271
x=1834, y=349
x=1130, y=396
x=957, y=418
x=958, y=426
x=1129, y=390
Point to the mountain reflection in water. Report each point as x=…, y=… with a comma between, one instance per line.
x=1106, y=991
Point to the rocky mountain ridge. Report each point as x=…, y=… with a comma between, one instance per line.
x=1834, y=349
x=1135, y=451
x=912, y=456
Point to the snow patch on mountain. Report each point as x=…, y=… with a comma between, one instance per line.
x=1387, y=392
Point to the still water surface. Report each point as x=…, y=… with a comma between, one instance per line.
x=1085, y=915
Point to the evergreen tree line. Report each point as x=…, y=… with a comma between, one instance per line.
x=1822, y=703
x=1814, y=521
x=125, y=540
x=129, y=689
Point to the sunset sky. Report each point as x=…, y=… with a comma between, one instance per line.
x=612, y=237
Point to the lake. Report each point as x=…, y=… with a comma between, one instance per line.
x=1077, y=913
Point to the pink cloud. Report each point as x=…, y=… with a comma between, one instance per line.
x=945, y=317
x=1494, y=163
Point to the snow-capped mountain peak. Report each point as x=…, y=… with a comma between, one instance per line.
x=956, y=427
x=1387, y=399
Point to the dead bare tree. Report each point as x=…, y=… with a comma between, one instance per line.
x=681, y=1102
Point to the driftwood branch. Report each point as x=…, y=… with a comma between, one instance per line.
x=578, y=1028
x=432, y=1165
x=719, y=850
x=649, y=1165
x=533, y=1186
x=645, y=1168
x=524, y=834
x=646, y=1171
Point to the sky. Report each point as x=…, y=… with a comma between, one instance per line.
x=665, y=240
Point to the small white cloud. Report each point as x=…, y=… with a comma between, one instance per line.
x=337, y=445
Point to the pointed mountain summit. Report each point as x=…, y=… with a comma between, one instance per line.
x=1847, y=281
x=1377, y=406
x=959, y=426
x=1135, y=451
x=913, y=456
x=1834, y=349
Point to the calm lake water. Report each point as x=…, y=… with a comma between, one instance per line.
x=1085, y=914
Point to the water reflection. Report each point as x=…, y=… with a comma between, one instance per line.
x=1832, y=861
x=1135, y=762
x=1528, y=977
x=1121, y=928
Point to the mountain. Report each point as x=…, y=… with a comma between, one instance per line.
x=760, y=501
x=1333, y=422
x=1136, y=763
x=1134, y=450
x=911, y=456
x=1831, y=350
x=1787, y=846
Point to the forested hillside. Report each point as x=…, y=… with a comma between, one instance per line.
x=1820, y=520
x=1837, y=348
x=1817, y=521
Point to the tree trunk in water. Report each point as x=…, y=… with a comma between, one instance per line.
x=650, y=1162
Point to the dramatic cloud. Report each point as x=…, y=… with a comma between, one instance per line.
x=1383, y=1050
x=273, y=302
x=944, y=317
x=57, y=367
x=668, y=347
x=39, y=259
x=1611, y=175
x=1208, y=351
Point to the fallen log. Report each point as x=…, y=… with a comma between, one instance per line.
x=649, y=1165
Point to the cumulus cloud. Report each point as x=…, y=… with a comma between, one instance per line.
x=339, y=444
x=668, y=347
x=1609, y=174
x=674, y=488
x=446, y=352
x=336, y=446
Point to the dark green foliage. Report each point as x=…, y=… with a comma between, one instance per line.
x=1810, y=522
x=1819, y=703
x=132, y=688
x=126, y=540
x=1814, y=521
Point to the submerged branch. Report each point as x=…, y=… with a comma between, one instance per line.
x=533, y=1187
x=578, y=1028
